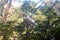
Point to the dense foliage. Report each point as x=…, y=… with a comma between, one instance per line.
x=14, y=27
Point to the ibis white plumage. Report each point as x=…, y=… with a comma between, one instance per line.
x=29, y=21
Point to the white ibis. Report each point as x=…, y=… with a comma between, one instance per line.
x=29, y=21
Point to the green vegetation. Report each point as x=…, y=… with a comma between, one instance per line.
x=14, y=27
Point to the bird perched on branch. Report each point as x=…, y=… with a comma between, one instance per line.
x=28, y=21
